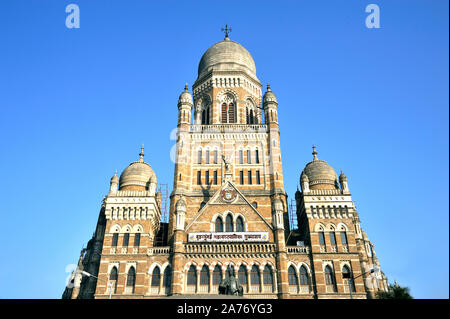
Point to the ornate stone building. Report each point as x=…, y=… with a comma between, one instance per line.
x=228, y=207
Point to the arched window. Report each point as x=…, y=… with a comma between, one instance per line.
x=167, y=279
x=217, y=275
x=304, y=278
x=228, y=112
x=242, y=276
x=131, y=279
x=137, y=239
x=239, y=224
x=192, y=278
x=347, y=277
x=292, y=278
x=113, y=274
x=156, y=277
x=333, y=238
x=204, y=276
x=251, y=117
x=229, y=223
x=115, y=239
x=126, y=239
x=344, y=238
x=322, y=238
x=255, y=204
x=268, y=278
x=219, y=225
x=329, y=277
x=255, y=279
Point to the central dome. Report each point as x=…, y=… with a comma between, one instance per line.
x=227, y=55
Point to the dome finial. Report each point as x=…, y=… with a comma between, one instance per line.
x=186, y=87
x=226, y=30
x=268, y=87
x=314, y=153
x=141, y=154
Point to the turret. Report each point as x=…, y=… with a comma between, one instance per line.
x=344, y=183
x=185, y=107
x=270, y=106
x=113, y=184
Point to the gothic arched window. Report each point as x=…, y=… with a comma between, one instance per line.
x=344, y=237
x=219, y=225
x=228, y=110
x=347, y=276
x=329, y=277
x=267, y=276
x=131, y=278
x=217, y=275
x=239, y=224
x=304, y=278
x=113, y=274
x=255, y=277
x=292, y=276
x=167, y=279
x=229, y=223
x=115, y=239
x=242, y=275
x=204, y=276
x=126, y=239
x=156, y=277
x=192, y=276
x=333, y=238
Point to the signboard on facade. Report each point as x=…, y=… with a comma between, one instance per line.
x=229, y=237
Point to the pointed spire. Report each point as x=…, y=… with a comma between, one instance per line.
x=268, y=87
x=141, y=154
x=186, y=87
x=314, y=153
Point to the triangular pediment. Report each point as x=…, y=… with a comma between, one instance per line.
x=228, y=194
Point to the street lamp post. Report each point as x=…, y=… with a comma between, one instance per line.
x=352, y=280
x=108, y=283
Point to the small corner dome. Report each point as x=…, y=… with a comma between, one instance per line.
x=137, y=176
x=185, y=97
x=180, y=204
x=115, y=179
x=227, y=55
x=269, y=96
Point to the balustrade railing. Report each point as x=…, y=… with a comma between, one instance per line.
x=225, y=128
x=229, y=248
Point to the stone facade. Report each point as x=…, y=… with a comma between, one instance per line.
x=228, y=207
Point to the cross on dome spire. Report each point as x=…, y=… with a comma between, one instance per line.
x=314, y=153
x=226, y=30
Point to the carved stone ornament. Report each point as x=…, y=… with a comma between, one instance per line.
x=228, y=195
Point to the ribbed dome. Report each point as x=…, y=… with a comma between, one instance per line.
x=137, y=176
x=320, y=174
x=227, y=55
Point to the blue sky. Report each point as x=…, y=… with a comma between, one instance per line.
x=76, y=104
